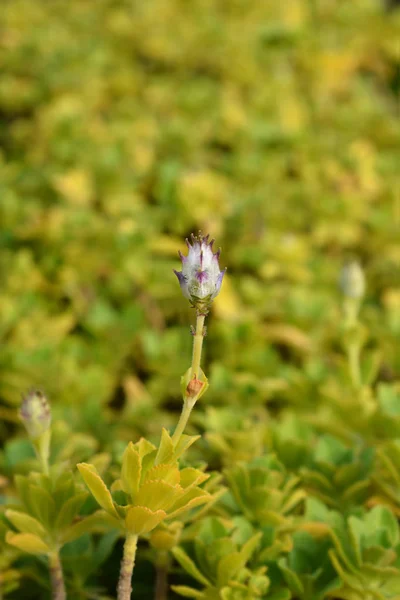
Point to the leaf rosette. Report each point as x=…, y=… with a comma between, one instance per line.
x=151, y=488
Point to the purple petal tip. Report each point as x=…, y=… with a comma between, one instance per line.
x=180, y=276
x=182, y=257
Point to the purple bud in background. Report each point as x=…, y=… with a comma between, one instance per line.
x=201, y=277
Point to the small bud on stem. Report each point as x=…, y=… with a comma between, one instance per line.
x=36, y=416
x=35, y=413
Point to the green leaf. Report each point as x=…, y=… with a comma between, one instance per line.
x=98, y=488
x=190, y=476
x=158, y=495
x=356, y=531
x=166, y=449
x=186, y=562
x=291, y=578
x=22, y=485
x=69, y=510
x=98, y=522
x=25, y=523
x=63, y=491
x=193, y=497
x=131, y=470
x=165, y=472
x=144, y=447
x=187, y=592
x=249, y=547
x=228, y=567
x=28, y=542
x=184, y=444
x=140, y=519
x=43, y=506
x=380, y=521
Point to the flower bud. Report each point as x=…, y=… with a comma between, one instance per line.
x=35, y=414
x=200, y=278
x=352, y=280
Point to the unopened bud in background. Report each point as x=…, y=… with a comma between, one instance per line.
x=352, y=280
x=35, y=414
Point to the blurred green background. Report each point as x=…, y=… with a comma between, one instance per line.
x=273, y=126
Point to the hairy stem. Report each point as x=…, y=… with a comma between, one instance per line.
x=56, y=576
x=127, y=564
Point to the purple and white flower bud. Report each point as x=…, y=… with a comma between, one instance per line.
x=35, y=414
x=201, y=277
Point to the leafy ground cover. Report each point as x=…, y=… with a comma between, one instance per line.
x=274, y=126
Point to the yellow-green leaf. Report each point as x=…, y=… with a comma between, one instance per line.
x=194, y=497
x=140, y=519
x=28, y=542
x=144, y=447
x=98, y=488
x=69, y=510
x=187, y=592
x=98, y=522
x=169, y=473
x=190, y=477
x=25, y=523
x=158, y=495
x=184, y=444
x=131, y=470
x=166, y=448
x=249, y=547
x=228, y=568
x=42, y=504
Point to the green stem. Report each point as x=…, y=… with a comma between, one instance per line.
x=188, y=403
x=127, y=564
x=197, y=346
x=56, y=576
x=354, y=364
x=42, y=448
x=183, y=419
